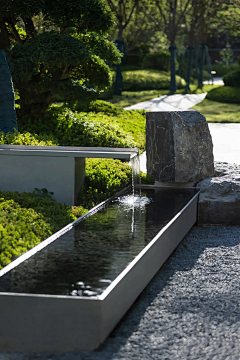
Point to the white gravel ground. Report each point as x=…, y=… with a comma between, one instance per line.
x=190, y=310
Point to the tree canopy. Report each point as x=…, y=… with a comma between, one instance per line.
x=57, y=48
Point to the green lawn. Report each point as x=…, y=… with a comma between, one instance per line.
x=219, y=112
x=129, y=98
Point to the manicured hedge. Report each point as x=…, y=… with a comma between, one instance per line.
x=225, y=94
x=104, y=178
x=158, y=60
x=232, y=78
x=130, y=122
x=26, y=219
x=149, y=80
x=26, y=138
x=98, y=106
x=79, y=129
x=222, y=70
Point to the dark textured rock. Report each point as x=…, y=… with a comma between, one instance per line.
x=178, y=146
x=219, y=200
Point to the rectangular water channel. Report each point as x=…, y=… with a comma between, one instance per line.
x=71, y=293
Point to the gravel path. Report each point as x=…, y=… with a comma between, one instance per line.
x=190, y=310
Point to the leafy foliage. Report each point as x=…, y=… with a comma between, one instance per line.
x=232, y=78
x=27, y=219
x=80, y=129
x=130, y=122
x=17, y=138
x=158, y=60
x=57, y=49
x=222, y=70
x=97, y=106
x=225, y=94
x=103, y=179
x=149, y=80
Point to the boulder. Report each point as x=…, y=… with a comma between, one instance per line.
x=179, y=147
x=219, y=200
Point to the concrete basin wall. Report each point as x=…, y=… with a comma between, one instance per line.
x=59, y=169
x=44, y=323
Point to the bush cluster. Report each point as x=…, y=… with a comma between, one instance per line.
x=232, y=78
x=149, y=80
x=18, y=138
x=103, y=179
x=227, y=94
x=130, y=122
x=79, y=129
x=222, y=70
x=158, y=60
x=26, y=219
x=98, y=106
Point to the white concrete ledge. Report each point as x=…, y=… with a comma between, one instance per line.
x=59, y=169
x=68, y=151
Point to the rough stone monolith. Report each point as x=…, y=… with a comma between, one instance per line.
x=219, y=199
x=179, y=147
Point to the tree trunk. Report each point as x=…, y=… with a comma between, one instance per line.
x=173, y=85
x=8, y=119
x=202, y=55
x=33, y=102
x=189, y=67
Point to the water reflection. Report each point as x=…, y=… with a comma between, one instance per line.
x=85, y=260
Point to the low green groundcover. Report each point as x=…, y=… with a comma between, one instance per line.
x=27, y=218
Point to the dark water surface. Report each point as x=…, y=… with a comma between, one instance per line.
x=86, y=259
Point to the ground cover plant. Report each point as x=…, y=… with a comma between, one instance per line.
x=26, y=219
x=149, y=80
x=72, y=128
x=219, y=112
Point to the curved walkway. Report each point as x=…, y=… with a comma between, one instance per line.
x=169, y=102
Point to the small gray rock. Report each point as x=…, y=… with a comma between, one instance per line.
x=178, y=146
x=219, y=200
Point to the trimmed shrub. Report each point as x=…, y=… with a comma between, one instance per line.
x=79, y=129
x=158, y=60
x=149, y=80
x=104, y=177
x=232, y=78
x=222, y=70
x=98, y=106
x=17, y=138
x=132, y=122
x=27, y=218
x=225, y=94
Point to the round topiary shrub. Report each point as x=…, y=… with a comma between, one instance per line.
x=232, y=78
x=158, y=60
x=226, y=94
x=149, y=80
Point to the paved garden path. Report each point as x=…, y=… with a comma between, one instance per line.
x=169, y=102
